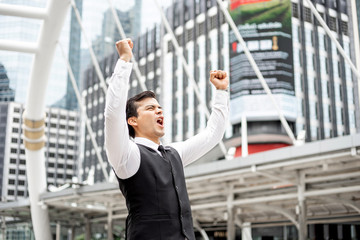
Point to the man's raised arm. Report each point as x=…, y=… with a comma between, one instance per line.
x=119, y=148
x=198, y=145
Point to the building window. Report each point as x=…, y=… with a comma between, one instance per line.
x=22, y=172
x=11, y=192
x=12, y=171
x=332, y=24
x=13, y=160
x=344, y=28
x=12, y=181
x=308, y=15
x=295, y=10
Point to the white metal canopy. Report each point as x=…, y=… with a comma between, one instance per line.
x=263, y=189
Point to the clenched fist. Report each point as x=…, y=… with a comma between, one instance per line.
x=219, y=79
x=124, y=48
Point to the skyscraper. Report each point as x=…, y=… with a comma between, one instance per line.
x=6, y=93
x=69, y=101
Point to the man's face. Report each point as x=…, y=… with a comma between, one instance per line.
x=150, y=121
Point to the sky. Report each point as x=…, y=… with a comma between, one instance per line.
x=150, y=13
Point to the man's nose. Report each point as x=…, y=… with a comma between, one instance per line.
x=159, y=111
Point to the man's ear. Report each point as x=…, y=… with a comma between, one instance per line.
x=132, y=121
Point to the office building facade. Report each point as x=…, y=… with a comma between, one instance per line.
x=61, y=149
x=324, y=86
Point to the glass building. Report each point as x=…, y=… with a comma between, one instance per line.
x=19, y=65
x=6, y=93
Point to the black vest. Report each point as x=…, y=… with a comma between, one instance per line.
x=157, y=199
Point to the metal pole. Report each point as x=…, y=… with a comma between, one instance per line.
x=110, y=226
x=58, y=231
x=22, y=11
x=3, y=228
x=230, y=229
x=72, y=233
x=246, y=231
x=83, y=111
x=87, y=229
x=201, y=230
x=302, y=230
x=257, y=70
x=34, y=123
x=187, y=69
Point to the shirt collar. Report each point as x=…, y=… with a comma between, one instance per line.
x=146, y=142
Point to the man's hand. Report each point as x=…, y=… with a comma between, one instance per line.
x=219, y=79
x=124, y=48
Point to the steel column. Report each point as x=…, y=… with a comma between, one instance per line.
x=35, y=112
x=246, y=231
x=230, y=214
x=110, y=226
x=302, y=230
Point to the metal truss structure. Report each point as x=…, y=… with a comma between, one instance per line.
x=314, y=183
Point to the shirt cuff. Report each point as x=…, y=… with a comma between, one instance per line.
x=221, y=97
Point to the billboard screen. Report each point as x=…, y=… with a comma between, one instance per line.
x=265, y=26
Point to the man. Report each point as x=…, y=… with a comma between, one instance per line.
x=151, y=176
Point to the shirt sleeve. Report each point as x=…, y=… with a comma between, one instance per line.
x=196, y=146
x=122, y=153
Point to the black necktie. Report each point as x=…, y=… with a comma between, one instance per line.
x=162, y=150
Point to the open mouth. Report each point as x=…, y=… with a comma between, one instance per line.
x=160, y=121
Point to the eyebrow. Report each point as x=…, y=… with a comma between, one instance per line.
x=151, y=105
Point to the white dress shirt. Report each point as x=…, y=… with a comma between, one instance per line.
x=124, y=154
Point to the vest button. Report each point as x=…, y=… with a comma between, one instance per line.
x=177, y=188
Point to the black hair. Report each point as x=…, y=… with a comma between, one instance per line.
x=132, y=106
